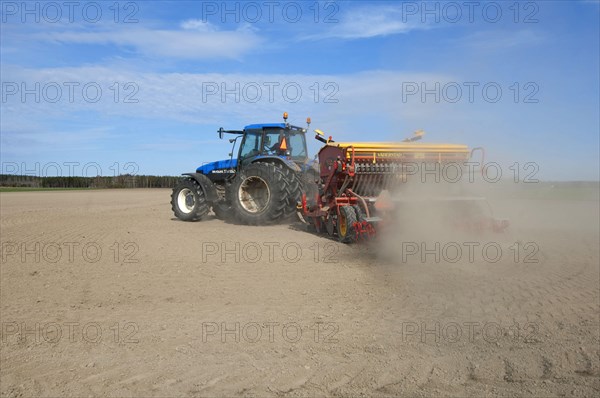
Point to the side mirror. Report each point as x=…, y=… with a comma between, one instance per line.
x=220, y=131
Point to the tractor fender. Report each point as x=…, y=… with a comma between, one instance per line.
x=274, y=159
x=207, y=186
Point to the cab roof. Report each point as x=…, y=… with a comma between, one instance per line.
x=263, y=125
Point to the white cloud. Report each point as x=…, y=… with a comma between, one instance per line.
x=174, y=98
x=196, y=40
x=368, y=22
x=199, y=25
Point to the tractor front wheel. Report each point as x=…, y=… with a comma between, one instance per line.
x=188, y=201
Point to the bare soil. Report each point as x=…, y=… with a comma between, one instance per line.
x=104, y=293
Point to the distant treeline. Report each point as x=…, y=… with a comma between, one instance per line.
x=121, y=181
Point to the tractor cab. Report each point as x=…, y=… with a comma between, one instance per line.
x=268, y=140
x=281, y=140
x=261, y=142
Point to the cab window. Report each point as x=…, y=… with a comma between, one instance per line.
x=250, y=145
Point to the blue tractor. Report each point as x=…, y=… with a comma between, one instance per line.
x=261, y=186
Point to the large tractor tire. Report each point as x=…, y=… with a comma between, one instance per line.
x=293, y=190
x=345, y=224
x=264, y=193
x=188, y=201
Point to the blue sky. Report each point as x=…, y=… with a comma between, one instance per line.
x=358, y=69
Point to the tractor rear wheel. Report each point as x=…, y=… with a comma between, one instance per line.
x=292, y=190
x=264, y=193
x=188, y=201
x=345, y=224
